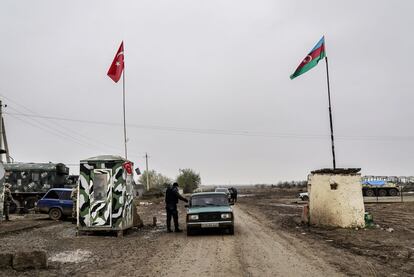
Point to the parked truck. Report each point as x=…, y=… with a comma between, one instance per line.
x=371, y=187
x=380, y=188
x=30, y=181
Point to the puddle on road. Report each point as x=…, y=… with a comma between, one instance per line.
x=246, y=195
x=285, y=205
x=71, y=256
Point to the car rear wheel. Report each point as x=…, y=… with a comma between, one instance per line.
x=55, y=214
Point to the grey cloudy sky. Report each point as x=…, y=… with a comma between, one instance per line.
x=208, y=85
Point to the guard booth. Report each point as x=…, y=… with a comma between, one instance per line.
x=335, y=198
x=105, y=195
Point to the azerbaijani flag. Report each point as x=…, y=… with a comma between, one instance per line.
x=312, y=59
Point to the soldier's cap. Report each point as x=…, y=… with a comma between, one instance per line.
x=175, y=184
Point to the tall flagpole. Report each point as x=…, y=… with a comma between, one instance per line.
x=123, y=98
x=330, y=114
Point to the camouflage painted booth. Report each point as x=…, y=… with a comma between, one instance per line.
x=105, y=195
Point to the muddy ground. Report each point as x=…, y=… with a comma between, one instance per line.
x=386, y=249
x=269, y=240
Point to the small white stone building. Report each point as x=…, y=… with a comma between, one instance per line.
x=335, y=198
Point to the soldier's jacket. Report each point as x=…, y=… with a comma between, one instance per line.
x=172, y=196
x=74, y=194
x=8, y=198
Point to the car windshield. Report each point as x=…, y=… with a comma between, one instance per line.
x=209, y=200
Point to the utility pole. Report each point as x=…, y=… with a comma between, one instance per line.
x=146, y=162
x=3, y=139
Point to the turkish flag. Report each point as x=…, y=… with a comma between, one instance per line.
x=117, y=65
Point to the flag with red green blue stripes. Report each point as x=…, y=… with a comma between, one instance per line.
x=312, y=59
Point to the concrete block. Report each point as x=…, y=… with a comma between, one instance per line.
x=23, y=260
x=6, y=260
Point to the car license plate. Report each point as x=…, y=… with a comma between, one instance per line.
x=209, y=225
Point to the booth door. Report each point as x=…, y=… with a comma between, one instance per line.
x=101, y=198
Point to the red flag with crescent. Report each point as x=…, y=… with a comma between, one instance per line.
x=117, y=66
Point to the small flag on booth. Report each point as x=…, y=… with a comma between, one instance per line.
x=117, y=66
x=312, y=59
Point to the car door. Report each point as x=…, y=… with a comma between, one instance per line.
x=50, y=200
x=66, y=202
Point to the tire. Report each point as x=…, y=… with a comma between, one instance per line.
x=55, y=214
x=30, y=203
x=369, y=192
x=231, y=230
x=382, y=192
x=393, y=192
x=14, y=207
x=190, y=232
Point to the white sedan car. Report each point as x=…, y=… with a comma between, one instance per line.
x=304, y=196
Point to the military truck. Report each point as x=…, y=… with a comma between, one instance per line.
x=380, y=188
x=30, y=181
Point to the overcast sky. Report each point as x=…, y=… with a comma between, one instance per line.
x=207, y=85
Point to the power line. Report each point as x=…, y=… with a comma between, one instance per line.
x=217, y=131
x=68, y=134
x=58, y=135
x=55, y=133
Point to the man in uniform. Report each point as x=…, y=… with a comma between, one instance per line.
x=8, y=198
x=234, y=194
x=172, y=196
x=74, y=196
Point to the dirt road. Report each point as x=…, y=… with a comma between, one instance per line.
x=254, y=250
x=269, y=241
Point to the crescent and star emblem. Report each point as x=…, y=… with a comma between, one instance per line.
x=307, y=59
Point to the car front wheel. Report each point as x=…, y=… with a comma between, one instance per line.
x=231, y=230
x=190, y=232
x=55, y=214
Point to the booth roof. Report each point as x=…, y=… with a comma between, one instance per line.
x=104, y=158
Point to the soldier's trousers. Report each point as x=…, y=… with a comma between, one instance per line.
x=6, y=211
x=74, y=213
x=172, y=212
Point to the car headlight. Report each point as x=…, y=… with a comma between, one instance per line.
x=226, y=216
x=193, y=217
